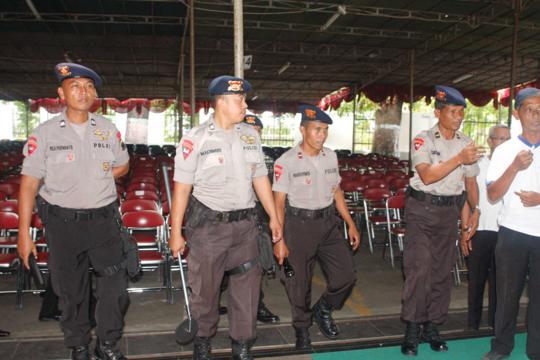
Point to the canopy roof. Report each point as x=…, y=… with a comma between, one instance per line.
x=299, y=55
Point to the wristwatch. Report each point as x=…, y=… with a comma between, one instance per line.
x=477, y=208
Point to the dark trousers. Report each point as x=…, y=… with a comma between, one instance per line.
x=74, y=247
x=316, y=240
x=481, y=265
x=428, y=256
x=213, y=249
x=225, y=284
x=516, y=255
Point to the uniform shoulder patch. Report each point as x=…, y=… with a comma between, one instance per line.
x=32, y=145
x=278, y=171
x=418, y=143
x=187, y=148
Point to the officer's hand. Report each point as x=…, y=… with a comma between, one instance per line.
x=281, y=251
x=523, y=160
x=354, y=237
x=470, y=154
x=26, y=248
x=177, y=244
x=529, y=198
x=472, y=223
x=277, y=230
x=465, y=242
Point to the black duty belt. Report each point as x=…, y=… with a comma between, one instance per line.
x=312, y=214
x=82, y=214
x=223, y=216
x=437, y=200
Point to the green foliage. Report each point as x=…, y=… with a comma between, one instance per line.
x=21, y=129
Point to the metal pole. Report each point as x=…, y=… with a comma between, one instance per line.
x=27, y=107
x=517, y=11
x=181, y=80
x=194, y=119
x=355, y=89
x=238, y=39
x=411, y=94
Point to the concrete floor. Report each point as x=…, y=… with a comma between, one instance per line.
x=377, y=292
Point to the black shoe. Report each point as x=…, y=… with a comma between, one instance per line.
x=303, y=340
x=222, y=310
x=107, y=350
x=80, y=353
x=54, y=317
x=4, y=333
x=202, y=348
x=264, y=315
x=431, y=335
x=322, y=314
x=412, y=336
x=241, y=350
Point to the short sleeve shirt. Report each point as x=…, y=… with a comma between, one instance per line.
x=221, y=165
x=310, y=182
x=432, y=148
x=513, y=214
x=488, y=211
x=76, y=173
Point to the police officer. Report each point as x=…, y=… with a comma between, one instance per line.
x=264, y=314
x=222, y=161
x=444, y=164
x=307, y=195
x=77, y=155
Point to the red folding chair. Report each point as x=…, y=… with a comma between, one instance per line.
x=9, y=206
x=374, y=205
x=395, y=206
x=138, y=205
x=10, y=189
x=142, y=194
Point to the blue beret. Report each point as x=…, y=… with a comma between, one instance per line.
x=225, y=84
x=524, y=94
x=253, y=120
x=314, y=113
x=449, y=96
x=65, y=71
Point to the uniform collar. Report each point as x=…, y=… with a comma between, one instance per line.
x=63, y=119
x=213, y=127
x=300, y=153
x=437, y=133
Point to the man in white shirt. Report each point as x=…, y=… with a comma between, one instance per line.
x=480, y=248
x=514, y=176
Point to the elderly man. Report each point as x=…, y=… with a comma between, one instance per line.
x=514, y=176
x=480, y=248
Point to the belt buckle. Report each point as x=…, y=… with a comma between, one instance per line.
x=83, y=215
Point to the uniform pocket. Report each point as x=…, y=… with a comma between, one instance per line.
x=103, y=163
x=61, y=171
x=303, y=187
x=213, y=169
x=252, y=160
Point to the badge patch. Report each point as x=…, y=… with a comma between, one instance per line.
x=300, y=156
x=310, y=113
x=278, y=170
x=248, y=139
x=32, y=145
x=235, y=85
x=308, y=181
x=64, y=70
x=441, y=96
x=106, y=166
x=70, y=157
x=187, y=148
x=250, y=119
x=418, y=142
x=103, y=134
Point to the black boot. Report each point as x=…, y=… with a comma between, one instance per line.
x=107, y=350
x=303, y=340
x=431, y=335
x=241, y=350
x=322, y=314
x=80, y=353
x=202, y=348
x=264, y=315
x=412, y=336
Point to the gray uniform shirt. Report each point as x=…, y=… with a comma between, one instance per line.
x=432, y=148
x=221, y=165
x=309, y=181
x=76, y=173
